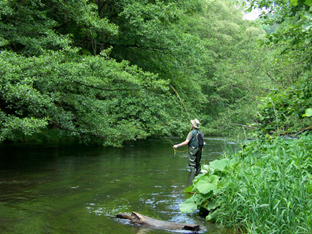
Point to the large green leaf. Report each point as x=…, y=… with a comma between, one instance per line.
x=207, y=184
x=188, y=206
x=223, y=163
x=219, y=164
x=212, y=205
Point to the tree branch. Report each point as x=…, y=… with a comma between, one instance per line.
x=302, y=130
x=275, y=80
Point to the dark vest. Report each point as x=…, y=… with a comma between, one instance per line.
x=193, y=142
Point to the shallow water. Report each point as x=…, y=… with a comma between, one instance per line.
x=78, y=189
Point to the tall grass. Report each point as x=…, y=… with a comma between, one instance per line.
x=268, y=189
x=271, y=190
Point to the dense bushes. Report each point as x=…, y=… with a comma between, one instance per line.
x=68, y=92
x=282, y=111
x=266, y=187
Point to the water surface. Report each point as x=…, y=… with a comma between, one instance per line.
x=79, y=189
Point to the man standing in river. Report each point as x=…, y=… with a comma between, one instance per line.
x=194, y=151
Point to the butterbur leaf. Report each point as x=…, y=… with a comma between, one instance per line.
x=188, y=206
x=220, y=164
x=224, y=182
x=212, y=205
x=188, y=189
x=198, y=177
x=212, y=215
x=207, y=184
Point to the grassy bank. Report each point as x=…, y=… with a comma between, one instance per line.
x=264, y=188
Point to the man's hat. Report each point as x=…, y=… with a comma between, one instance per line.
x=195, y=123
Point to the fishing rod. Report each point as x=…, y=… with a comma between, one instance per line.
x=182, y=103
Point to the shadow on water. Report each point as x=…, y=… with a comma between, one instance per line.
x=77, y=189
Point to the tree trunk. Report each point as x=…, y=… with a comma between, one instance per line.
x=158, y=224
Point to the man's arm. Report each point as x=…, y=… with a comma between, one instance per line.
x=188, y=138
x=181, y=144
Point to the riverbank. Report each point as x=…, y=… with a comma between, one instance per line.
x=263, y=188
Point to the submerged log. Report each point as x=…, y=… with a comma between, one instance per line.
x=158, y=224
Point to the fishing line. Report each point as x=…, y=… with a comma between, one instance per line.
x=185, y=152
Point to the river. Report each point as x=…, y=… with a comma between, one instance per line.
x=79, y=189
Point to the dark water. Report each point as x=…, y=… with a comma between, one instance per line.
x=77, y=189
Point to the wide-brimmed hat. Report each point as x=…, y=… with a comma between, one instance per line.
x=195, y=123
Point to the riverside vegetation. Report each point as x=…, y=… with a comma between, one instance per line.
x=266, y=186
x=106, y=72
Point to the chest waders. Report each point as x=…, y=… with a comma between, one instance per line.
x=194, y=155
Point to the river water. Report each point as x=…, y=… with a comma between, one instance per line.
x=78, y=189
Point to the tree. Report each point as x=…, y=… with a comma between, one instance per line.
x=295, y=23
x=110, y=71
x=281, y=111
x=47, y=83
x=233, y=77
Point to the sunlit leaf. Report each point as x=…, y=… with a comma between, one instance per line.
x=293, y=2
x=222, y=164
x=207, y=184
x=308, y=113
x=219, y=164
x=308, y=2
x=212, y=205
x=188, y=206
x=306, y=26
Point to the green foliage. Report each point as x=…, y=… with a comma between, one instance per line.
x=281, y=112
x=308, y=113
x=204, y=48
x=295, y=24
x=152, y=36
x=95, y=99
x=264, y=188
x=30, y=27
x=27, y=29
x=289, y=67
x=101, y=70
x=235, y=73
x=208, y=185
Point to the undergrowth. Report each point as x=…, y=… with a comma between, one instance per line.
x=266, y=187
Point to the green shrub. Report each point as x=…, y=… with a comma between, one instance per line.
x=264, y=188
x=282, y=111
